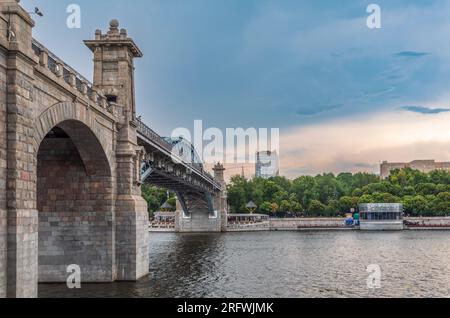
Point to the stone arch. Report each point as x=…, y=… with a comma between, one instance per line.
x=75, y=197
x=65, y=112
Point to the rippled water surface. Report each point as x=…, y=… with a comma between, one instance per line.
x=286, y=264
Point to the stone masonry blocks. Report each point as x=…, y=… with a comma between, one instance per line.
x=132, y=238
x=75, y=225
x=65, y=198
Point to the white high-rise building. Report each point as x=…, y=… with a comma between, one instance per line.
x=267, y=164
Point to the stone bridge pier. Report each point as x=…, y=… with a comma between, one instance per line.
x=203, y=212
x=69, y=162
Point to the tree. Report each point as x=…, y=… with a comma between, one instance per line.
x=425, y=188
x=357, y=192
x=366, y=198
x=286, y=206
x=316, y=208
x=345, y=204
x=372, y=188
x=237, y=197
x=421, y=193
x=441, y=205
x=155, y=197
x=297, y=207
x=280, y=196
x=409, y=190
x=265, y=208
x=418, y=205
x=385, y=198
x=305, y=189
x=345, y=181
x=275, y=208
x=332, y=208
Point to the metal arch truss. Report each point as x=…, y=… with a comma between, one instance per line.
x=146, y=170
x=165, y=160
x=182, y=200
x=162, y=167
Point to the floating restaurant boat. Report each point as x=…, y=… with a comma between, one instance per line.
x=381, y=217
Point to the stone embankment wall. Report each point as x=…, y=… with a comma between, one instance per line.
x=307, y=224
x=437, y=223
x=292, y=225
x=427, y=223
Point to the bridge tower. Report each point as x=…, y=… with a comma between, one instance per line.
x=221, y=198
x=114, y=54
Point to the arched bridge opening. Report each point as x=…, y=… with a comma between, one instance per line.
x=75, y=205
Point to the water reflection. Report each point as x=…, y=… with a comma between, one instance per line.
x=285, y=264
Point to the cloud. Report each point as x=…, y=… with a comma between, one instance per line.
x=411, y=54
x=318, y=109
x=361, y=143
x=425, y=110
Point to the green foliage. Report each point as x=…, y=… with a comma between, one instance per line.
x=316, y=208
x=156, y=197
x=266, y=207
x=328, y=195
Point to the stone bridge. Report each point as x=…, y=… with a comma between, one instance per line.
x=73, y=157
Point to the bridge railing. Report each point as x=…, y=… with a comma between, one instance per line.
x=153, y=136
x=150, y=134
x=70, y=75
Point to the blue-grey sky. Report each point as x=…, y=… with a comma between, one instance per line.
x=289, y=64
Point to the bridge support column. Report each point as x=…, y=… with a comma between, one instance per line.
x=194, y=215
x=132, y=238
x=19, y=221
x=203, y=212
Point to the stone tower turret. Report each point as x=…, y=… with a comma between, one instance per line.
x=114, y=54
x=221, y=198
x=219, y=173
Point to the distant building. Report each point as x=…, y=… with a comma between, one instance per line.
x=421, y=165
x=267, y=164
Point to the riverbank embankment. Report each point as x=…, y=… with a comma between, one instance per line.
x=320, y=224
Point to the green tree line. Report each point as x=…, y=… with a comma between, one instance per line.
x=422, y=194
x=156, y=197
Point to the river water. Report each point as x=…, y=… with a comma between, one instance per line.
x=286, y=264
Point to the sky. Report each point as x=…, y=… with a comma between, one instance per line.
x=345, y=97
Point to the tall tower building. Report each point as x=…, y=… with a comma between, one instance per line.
x=267, y=164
